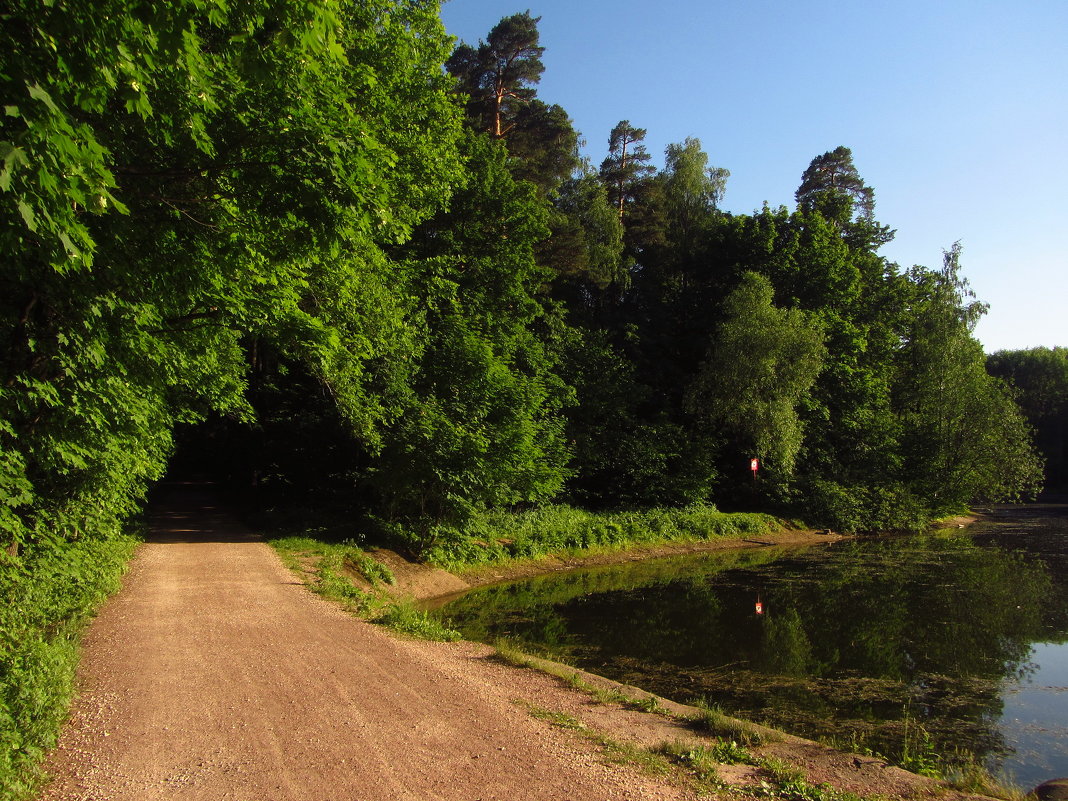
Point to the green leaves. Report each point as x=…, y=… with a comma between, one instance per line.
x=14, y=157
x=180, y=183
x=481, y=426
x=760, y=364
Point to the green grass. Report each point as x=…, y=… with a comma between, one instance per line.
x=330, y=564
x=510, y=653
x=968, y=776
x=614, y=752
x=371, y=569
x=556, y=529
x=713, y=720
x=703, y=760
x=788, y=783
x=47, y=595
x=406, y=619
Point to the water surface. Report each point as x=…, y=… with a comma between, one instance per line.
x=950, y=644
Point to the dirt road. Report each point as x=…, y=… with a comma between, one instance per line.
x=214, y=674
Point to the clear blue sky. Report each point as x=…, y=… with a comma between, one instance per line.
x=956, y=112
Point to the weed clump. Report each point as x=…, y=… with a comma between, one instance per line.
x=406, y=619
x=716, y=722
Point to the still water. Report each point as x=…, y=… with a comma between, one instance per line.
x=954, y=644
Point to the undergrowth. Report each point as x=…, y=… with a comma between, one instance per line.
x=554, y=529
x=47, y=594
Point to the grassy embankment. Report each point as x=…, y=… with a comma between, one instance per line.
x=333, y=558
x=47, y=594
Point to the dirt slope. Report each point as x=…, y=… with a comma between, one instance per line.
x=214, y=675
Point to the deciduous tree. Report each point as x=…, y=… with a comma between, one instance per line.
x=760, y=364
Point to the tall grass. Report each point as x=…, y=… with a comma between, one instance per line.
x=502, y=536
x=47, y=594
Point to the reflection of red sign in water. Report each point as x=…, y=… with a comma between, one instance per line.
x=759, y=608
x=754, y=464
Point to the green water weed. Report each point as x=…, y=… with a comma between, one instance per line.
x=918, y=752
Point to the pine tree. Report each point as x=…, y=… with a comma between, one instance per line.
x=498, y=77
x=626, y=165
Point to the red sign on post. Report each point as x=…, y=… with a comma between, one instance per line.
x=754, y=465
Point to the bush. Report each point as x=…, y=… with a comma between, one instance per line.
x=890, y=507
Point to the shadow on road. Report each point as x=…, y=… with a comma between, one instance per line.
x=193, y=511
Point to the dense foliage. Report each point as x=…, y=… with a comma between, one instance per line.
x=329, y=253
x=1040, y=376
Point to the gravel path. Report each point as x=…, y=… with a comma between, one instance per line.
x=214, y=674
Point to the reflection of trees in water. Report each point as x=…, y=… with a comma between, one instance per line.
x=853, y=635
x=785, y=648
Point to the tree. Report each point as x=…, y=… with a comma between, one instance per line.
x=499, y=75
x=832, y=186
x=176, y=189
x=498, y=78
x=1040, y=377
x=482, y=424
x=543, y=145
x=626, y=164
x=692, y=192
x=591, y=225
x=965, y=438
x=760, y=364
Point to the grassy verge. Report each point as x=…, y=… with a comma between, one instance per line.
x=504, y=536
x=731, y=742
x=47, y=594
x=695, y=767
x=332, y=566
x=338, y=569
x=331, y=569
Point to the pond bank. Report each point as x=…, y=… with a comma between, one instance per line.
x=628, y=722
x=431, y=586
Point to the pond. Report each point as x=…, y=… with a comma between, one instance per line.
x=951, y=644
